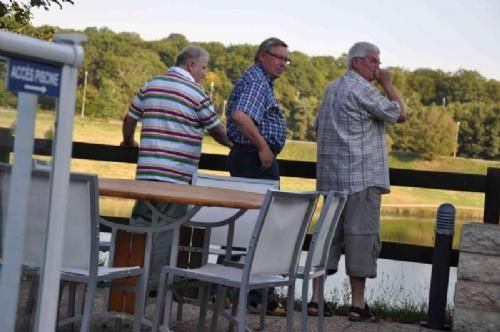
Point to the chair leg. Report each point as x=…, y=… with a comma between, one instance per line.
x=180, y=305
x=163, y=308
x=290, y=308
x=263, y=309
x=159, y=306
x=203, y=307
x=87, y=310
x=140, y=299
x=220, y=299
x=234, y=309
x=242, y=309
x=304, y=313
x=321, y=308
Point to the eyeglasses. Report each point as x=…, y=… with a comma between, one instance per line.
x=373, y=61
x=279, y=57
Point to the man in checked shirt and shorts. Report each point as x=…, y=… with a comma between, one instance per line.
x=352, y=157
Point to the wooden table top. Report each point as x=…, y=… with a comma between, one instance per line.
x=179, y=194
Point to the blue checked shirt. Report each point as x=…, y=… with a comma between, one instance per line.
x=253, y=95
x=352, y=153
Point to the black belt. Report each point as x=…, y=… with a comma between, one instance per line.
x=273, y=148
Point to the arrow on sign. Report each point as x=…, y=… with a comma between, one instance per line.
x=42, y=89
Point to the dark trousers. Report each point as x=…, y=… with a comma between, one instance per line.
x=244, y=161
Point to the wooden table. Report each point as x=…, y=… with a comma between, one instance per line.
x=180, y=194
x=130, y=248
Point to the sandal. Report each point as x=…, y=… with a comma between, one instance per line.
x=313, y=309
x=357, y=314
x=279, y=311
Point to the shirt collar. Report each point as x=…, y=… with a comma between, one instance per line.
x=182, y=72
x=260, y=68
x=354, y=74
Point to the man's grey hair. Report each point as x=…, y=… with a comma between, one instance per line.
x=267, y=45
x=190, y=53
x=359, y=50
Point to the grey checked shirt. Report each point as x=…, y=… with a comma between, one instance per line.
x=352, y=153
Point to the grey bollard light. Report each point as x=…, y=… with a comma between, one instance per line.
x=445, y=224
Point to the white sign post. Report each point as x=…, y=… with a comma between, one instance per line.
x=38, y=67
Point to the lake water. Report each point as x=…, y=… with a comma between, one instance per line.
x=397, y=282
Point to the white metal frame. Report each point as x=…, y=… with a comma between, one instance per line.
x=68, y=54
x=319, y=249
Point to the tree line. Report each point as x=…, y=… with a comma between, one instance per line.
x=445, y=108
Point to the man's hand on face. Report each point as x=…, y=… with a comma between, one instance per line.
x=383, y=77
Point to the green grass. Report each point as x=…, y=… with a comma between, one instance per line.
x=413, y=230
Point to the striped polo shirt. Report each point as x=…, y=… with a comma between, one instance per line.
x=175, y=111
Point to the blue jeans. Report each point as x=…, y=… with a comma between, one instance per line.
x=244, y=161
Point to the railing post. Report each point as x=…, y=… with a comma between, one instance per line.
x=492, y=196
x=5, y=144
x=438, y=293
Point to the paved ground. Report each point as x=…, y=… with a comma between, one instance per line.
x=278, y=324
x=190, y=315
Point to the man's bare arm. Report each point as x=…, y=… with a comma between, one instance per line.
x=385, y=80
x=128, y=131
x=219, y=133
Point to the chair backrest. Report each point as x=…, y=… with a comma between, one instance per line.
x=81, y=228
x=324, y=230
x=279, y=233
x=246, y=223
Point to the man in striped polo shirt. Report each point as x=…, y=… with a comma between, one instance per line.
x=175, y=111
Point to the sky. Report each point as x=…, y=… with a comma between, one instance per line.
x=437, y=34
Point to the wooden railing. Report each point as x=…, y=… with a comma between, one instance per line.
x=488, y=184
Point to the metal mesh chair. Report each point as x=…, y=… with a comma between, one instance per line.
x=81, y=241
x=319, y=248
x=271, y=259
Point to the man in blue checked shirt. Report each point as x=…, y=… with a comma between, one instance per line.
x=255, y=123
x=257, y=127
